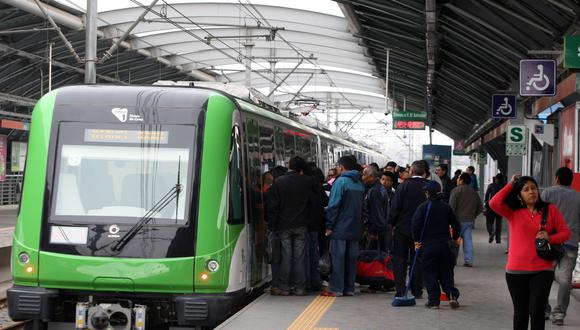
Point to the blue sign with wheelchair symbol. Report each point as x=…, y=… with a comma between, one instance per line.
x=503, y=106
x=537, y=77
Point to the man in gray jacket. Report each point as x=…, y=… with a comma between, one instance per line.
x=568, y=201
x=466, y=204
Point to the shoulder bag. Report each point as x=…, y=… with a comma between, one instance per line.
x=544, y=249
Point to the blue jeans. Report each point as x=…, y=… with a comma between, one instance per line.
x=343, y=254
x=313, y=281
x=292, y=264
x=466, y=229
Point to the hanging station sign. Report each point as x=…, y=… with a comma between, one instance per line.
x=409, y=116
x=414, y=125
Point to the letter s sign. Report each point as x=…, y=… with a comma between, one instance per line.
x=517, y=134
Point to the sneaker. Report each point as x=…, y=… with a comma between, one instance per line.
x=284, y=293
x=330, y=294
x=557, y=318
x=431, y=306
x=299, y=292
x=491, y=238
x=349, y=294
x=454, y=303
x=467, y=264
x=275, y=291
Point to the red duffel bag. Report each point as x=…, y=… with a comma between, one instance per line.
x=374, y=267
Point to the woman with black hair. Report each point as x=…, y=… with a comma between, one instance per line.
x=529, y=277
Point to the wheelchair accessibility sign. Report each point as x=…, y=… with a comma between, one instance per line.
x=537, y=77
x=503, y=106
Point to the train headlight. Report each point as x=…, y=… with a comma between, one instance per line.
x=23, y=258
x=29, y=269
x=213, y=265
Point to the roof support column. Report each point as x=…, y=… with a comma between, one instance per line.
x=249, y=44
x=387, y=82
x=91, y=42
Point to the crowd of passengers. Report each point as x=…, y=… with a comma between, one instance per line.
x=403, y=211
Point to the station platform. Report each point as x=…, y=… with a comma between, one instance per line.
x=485, y=303
x=8, y=215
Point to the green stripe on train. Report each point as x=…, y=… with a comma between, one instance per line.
x=27, y=232
x=215, y=238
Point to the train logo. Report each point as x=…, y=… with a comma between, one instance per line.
x=120, y=113
x=113, y=230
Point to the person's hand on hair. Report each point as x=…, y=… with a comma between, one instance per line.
x=515, y=177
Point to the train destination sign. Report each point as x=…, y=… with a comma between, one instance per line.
x=125, y=136
x=415, y=125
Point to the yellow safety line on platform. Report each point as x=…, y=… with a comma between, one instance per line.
x=312, y=314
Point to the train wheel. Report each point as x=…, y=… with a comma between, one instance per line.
x=35, y=325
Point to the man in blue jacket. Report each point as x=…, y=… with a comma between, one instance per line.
x=343, y=226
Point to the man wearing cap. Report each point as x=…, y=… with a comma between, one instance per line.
x=437, y=258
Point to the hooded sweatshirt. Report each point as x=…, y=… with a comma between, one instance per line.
x=344, y=211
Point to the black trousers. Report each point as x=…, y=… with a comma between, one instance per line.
x=529, y=294
x=403, y=253
x=438, y=262
x=491, y=219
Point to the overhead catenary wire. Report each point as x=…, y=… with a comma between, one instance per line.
x=195, y=36
x=298, y=50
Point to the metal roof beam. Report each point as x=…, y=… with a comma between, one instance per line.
x=8, y=49
x=75, y=23
x=20, y=100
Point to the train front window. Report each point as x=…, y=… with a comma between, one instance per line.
x=111, y=174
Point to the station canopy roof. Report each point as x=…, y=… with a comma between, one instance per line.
x=307, y=56
x=473, y=48
x=446, y=56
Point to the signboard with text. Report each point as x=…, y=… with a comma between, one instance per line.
x=18, y=156
x=572, y=52
x=409, y=116
x=414, y=125
x=3, y=151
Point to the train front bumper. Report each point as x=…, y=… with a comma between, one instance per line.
x=35, y=303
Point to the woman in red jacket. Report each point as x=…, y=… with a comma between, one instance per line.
x=529, y=277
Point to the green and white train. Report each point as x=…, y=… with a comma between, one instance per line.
x=142, y=206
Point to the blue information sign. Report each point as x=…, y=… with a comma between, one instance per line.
x=503, y=106
x=537, y=77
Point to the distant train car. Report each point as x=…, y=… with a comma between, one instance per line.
x=142, y=206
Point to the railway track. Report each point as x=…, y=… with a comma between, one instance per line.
x=5, y=322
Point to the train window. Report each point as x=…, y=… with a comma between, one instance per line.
x=255, y=202
x=236, y=199
x=279, y=142
x=266, y=148
x=109, y=171
x=324, y=156
x=289, y=147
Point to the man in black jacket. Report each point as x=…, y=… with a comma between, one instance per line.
x=442, y=172
x=290, y=199
x=408, y=197
x=373, y=208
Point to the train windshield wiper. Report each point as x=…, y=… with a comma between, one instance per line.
x=172, y=194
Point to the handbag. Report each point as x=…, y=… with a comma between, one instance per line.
x=544, y=249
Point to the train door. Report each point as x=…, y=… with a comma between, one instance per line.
x=256, y=228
